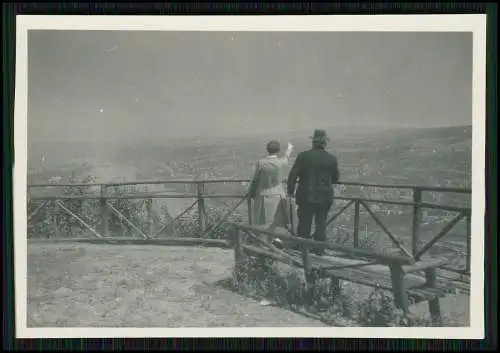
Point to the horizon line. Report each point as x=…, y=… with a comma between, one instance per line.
x=250, y=135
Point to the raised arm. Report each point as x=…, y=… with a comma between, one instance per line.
x=286, y=158
x=293, y=176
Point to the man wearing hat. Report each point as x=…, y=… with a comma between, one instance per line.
x=315, y=170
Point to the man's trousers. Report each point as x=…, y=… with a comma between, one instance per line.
x=306, y=213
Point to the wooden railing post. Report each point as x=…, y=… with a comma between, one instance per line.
x=308, y=274
x=201, y=207
x=104, y=211
x=398, y=287
x=434, y=308
x=55, y=220
x=468, y=240
x=417, y=219
x=239, y=259
x=249, y=206
x=356, y=224
x=149, y=212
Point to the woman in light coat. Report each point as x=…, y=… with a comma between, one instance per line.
x=266, y=188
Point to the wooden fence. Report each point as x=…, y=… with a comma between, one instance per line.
x=198, y=192
x=393, y=272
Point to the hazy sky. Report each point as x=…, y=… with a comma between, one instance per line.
x=116, y=85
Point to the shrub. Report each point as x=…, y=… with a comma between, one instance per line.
x=189, y=224
x=380, y=311
x=263, y=279
x=132, y=209
x=52, y=221
x=87, y=210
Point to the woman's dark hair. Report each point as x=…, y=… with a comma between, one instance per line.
x=273, y=147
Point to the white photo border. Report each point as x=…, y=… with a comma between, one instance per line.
x=475, y=23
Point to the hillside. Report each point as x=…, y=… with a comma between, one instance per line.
x=431, y=157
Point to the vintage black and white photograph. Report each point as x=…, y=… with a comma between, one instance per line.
x=262, y=177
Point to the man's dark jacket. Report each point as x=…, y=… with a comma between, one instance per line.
x=316, y=171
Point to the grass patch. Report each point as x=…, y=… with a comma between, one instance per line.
x=285, y=287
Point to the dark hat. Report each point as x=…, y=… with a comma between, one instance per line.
x=319, y=135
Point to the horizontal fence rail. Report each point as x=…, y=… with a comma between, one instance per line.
x=233, y=181
x=139, y=196
x=108, y=195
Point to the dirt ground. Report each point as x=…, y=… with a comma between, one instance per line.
x=84, y=285
x=81, y=285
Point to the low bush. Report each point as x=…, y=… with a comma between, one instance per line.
x=263, y=279
x=380, y=310
x=189, y=224
x=52, y=220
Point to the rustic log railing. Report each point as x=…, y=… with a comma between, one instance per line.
x=200, y=195
x=386, y=271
